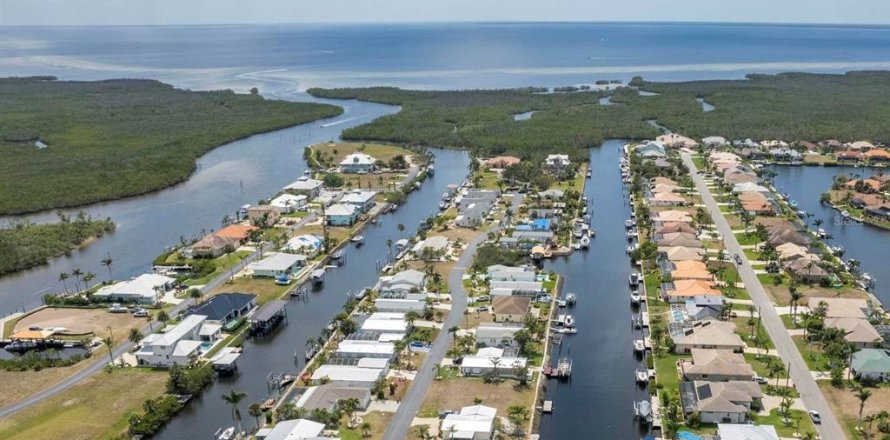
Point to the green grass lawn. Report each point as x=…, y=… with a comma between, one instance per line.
x=812, y=354
x=744, y=330
x=806, y=425
x=489, y=179
x=699, y=162
x=758, y=363
x=666, y=373
x=747, y=239
x=223, y=264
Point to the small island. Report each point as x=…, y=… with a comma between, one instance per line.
x=26, y=245
x=71, y=143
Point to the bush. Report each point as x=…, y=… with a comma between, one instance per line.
x=155, y=413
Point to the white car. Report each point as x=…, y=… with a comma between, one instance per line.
x=817, y=419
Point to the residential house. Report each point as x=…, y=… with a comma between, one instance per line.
x=745, y=431
x=877, y=155
x=785, y=154
x=362, y=200
x=278, y=264
x=341, y=215
x=497, y=335
x=237, y=231
x=400, y=305
x=861, y=146
x=309, y=245
x=709, y=334
x=661, y=180
x=848, y=156
x=871, y=363
x=673, y=227
x=666, y=199
x=327, y=397
x=225, y=307
x=403, y=282
x=679, y=291
x=721, y=402
x=472, y=423
x=263, y=215
x=211, y=246
x=716, y=366
x=715, y=142
x=757, y=207
x=311, y=188
x=298, y=429
x=553, y=194
x=501, y=162
x=144, y=289
x=557, y=162
x=674, y=140
x=288, y=203
x=522, y=288
x=750, y=187
x=690, y=270
x=704, y=307
x=353, y=349
x=682, y=253
x=510, y=308
x=177, y=346
x=738, y=178
x=500, y=272
x=432, y=247
x=671, y=216
x=357, y=163
x=491, y=359
x=347, y=375
x=651, y=149
x=674, y=239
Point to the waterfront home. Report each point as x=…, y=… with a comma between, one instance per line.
x=362, y=200
x=353, y=349
x=868, y=185
x=386, y=322
x=522, y=288
x=178, y=345
x=288, y=203
x=557, y=161
x=311, y=188
x=661, y=217
x=499, y=272
x=745, y=143
x=491, y=359
x=785, y=154
x=403, y=282
x=472, y=423
x=690, y=270
x=805, y=269
x=497, y=335
x=871, y=363
x=327, y=198
x=225, y=307
x=278, y=264
x=877, y=155
x=237, y=231
x=357, y=163
x=715, y=142
x=347, y=375
x=473, y=206
x=309, y=245
x=881, y=212
x=737, y=178
x=672, y=227
x=744, y=431
x=651, y=149
x=704, y=307
x=720, y=402
x=298, y=429
x=510, y=308
x=552, y=194
x=860, y=145
x=144, y=289
x=666, y=199
x=674, y=140
x=327, y=397
x=773, y=143
x=431, y=248
x=718, y=157
x=679, y=291
x=708, y=334
x=848, y=156
x=750, y=187
x=682, y=253
x=861, y=200
x=263, y=215
x=791, y=251
x=857, y=332
x=661, y=180
x=678, y=239
x=501, y=162
x=663, y=188
x=210, y=246
x=400, y=305
x=757, y=207
x=526, y=239
x=341, y=215
x=716, y=366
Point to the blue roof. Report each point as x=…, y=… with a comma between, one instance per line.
x=218, y=307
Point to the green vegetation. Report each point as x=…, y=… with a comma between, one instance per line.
x=118, y=138
x=489, y=255
x=27, y=245
x=790, y=106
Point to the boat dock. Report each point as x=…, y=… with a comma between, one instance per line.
x=267, y=317
x=226, y=361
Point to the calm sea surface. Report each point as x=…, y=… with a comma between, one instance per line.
x=283, y=61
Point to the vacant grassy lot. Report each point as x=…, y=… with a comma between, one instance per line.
x=334, y=153
x=264, y=288
x=453, y=394
x=845, y=405
x=118, y=138
x=94, y=409
x=378, y=420
x=88, y=322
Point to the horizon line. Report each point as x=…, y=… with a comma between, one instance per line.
x=481, y=22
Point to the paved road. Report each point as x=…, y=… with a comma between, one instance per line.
x=812, y=397
x=410, y=405
x=99, y=355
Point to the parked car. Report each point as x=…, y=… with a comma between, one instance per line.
x=140, y=313
x=761, y=380
x=738, y=259
x=482, y=309
x=483, y=298
x=817, y=419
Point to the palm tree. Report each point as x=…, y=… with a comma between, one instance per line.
x=63, y=277
x=256, y=411
x=862, y=394
x=389, y=246
x=410, y=317
x=453, y=330
x=423, y=431
x=109, y=342
x=366, y=429
x=135, y=335
x=196, y=294
x=76, y=273
x=234, y=398
x=87, y=277
x=107, y=262
x=163, y=317
x=795, y=298
x=401, y=229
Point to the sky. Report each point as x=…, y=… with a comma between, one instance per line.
x=177, y=12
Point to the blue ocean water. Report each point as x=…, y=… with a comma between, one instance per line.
x=439, y=55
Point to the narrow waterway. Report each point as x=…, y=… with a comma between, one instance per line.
x=227, y=178
x=868, y=244
x=705, y=105
x=597, y=401
x=308, y=317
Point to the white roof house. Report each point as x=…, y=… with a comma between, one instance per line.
x=403, y=281
x=174, y=346
x=399, y=305
x=744, y=431
x=358, y=158
x=358, y=197
x=388, y=315
x=715, y=141
x=472, y=423
x=499, y=272
x=287, y=203
x=340, y=209
x=277, y=264
x=348, y=375
x=304, y=184
x=146, y=289
x=298, y=429
x=385, y=325
x=557, y=160
x=365, y=349
x=749, y=187
x=308, y=243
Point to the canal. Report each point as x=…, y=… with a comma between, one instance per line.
x=306, y=318
x=868, y=244
x=597, y=401
x=226, y=178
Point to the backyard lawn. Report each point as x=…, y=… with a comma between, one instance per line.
x=666, y=373
x=795, y=417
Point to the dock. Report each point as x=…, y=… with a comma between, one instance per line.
x=267, y=317
x=226, y=361
x=548, y=407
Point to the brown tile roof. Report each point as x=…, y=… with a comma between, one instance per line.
x=238, y=232
x=510, y=305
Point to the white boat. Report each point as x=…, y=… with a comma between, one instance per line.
x=633, y=280
x=643, y=411
x=629, y=223
x=561, y=303
x=821, y=233
x=225, y=434
x=631, y=248
x=639, y=345
x=569, y=321
x=571, y=299
x=635, y=297
x=576, y=246
x=642, y=376
x=358, y=239
x=584, y=243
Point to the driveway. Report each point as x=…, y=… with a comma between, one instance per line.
x=809, y=392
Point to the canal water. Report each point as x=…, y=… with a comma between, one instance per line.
x=306, y=318
x=227, y=178
x=868, y=244
x=598, y=398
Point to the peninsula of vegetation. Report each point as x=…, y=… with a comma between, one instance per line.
x=70, y=143
x=789, y=106
x=26, y=245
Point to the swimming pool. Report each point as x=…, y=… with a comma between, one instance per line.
x=686, y=435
